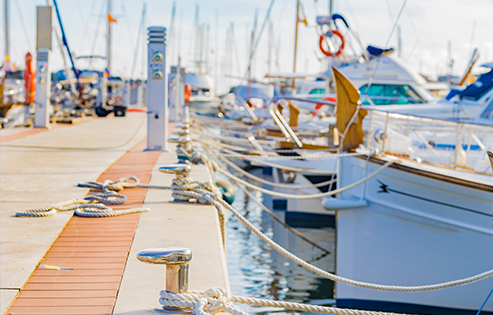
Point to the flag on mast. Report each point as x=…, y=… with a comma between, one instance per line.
x=111, y=19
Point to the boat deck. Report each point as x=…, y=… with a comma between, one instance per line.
x=106, y=277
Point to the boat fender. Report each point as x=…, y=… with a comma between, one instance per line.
x=330, y=34
x=188, y=92
x=29, y=79
x=227, y=189
x=330, y=203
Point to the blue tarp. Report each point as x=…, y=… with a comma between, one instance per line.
x=475, y=90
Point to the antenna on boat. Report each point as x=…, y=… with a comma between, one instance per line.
x=399, y=42
x=296, y=36
x=7, y=31
x=171, y=33
x=108, y=37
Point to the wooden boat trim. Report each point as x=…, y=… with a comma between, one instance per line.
x=430, y=174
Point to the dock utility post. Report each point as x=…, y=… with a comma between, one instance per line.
x=43, y=77
x=157, y=91
x=176, y=260
x=43, y=85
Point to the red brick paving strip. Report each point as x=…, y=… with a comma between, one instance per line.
x=96, y=247
x=33, y=131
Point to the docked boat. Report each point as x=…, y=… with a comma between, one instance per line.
x=202, y=95
x=424, y=219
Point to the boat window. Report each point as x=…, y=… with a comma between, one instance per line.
x=389, y=94
x=317, y=91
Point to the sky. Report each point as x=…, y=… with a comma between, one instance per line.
x=427, y=26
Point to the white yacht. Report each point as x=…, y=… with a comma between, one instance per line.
x=202, y=90
x=425, y=219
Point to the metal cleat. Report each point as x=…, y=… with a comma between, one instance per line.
x=180, y=140
x=176, y=260
x=181, y=170
x=181, y=132
x=183, y=142
x=182, y=126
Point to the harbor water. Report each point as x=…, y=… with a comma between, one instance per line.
x=256, y=270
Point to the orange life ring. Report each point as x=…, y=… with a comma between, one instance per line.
x=29, y=79
x=328, y=53
x=188, y=92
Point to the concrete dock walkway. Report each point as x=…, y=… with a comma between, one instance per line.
x=43, y=168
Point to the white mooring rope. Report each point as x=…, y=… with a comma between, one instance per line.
x=215, y=300
x=312, y=196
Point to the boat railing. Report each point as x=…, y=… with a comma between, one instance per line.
x=277, y=103
x=242, y=102
x=449, y=143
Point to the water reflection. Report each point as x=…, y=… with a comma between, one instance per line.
x=256, y=270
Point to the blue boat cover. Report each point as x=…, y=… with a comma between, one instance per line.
x=374, y=51
x=475, y=90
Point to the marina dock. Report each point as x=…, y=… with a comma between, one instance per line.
x=41, y=167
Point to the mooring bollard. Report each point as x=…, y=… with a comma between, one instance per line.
x=176, y=260
x=157, y=91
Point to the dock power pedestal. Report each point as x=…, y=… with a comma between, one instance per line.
x=157, y=91
x=43, y=85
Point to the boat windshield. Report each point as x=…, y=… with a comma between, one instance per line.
x=389, y=94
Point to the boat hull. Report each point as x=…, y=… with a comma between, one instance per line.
x=418, y=229
x=302, y=212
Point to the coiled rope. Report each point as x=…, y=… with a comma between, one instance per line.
x=215, y=300
x=178, y=187
x=91, y=206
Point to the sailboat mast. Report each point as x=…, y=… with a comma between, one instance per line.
x=6, y=20
x=296, y=37
x=196, y=37
x=108, y=38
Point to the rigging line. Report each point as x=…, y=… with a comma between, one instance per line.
x=127, y=21
x=24, y=25
x=235, y=45
x=96, y=31
x=137, y=44
x=87, y=25
x=411, y=53
x=389, y=11
x=487, y=298
x=354, y=19
x=472, y=37
x=386, y=43
x=259, y=36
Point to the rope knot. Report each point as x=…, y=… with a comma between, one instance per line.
x=217, y=292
